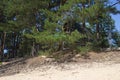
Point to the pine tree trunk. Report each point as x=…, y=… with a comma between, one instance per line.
x=2, y=46
x=83, y=23
x=33, y=50
x=13, y=47
x=97, y=32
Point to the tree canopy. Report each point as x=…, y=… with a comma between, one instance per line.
x=31, y=26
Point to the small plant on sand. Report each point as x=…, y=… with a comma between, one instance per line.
x=44, y=53
x=0, y=63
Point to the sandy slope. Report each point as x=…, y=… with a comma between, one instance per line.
x=72, y=71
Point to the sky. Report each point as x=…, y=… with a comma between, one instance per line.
x=116, y=18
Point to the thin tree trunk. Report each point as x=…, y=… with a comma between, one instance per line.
x=13, y=47
x=33, y=50
x=97, y=32
x=2, y=46
x=83, y=24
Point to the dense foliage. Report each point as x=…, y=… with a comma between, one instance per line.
x=30, y=26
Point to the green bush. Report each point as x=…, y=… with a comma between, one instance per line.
x=0, y=63
x=44, y=53
x=98, y=45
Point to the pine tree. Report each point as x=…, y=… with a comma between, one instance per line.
x=54, y=24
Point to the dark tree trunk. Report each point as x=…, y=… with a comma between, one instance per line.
x=83, y=23
x=97, y=31
x=33, y=49
x=13, y=46
x=2, y=46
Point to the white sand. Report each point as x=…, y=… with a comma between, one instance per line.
x=94, y=71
